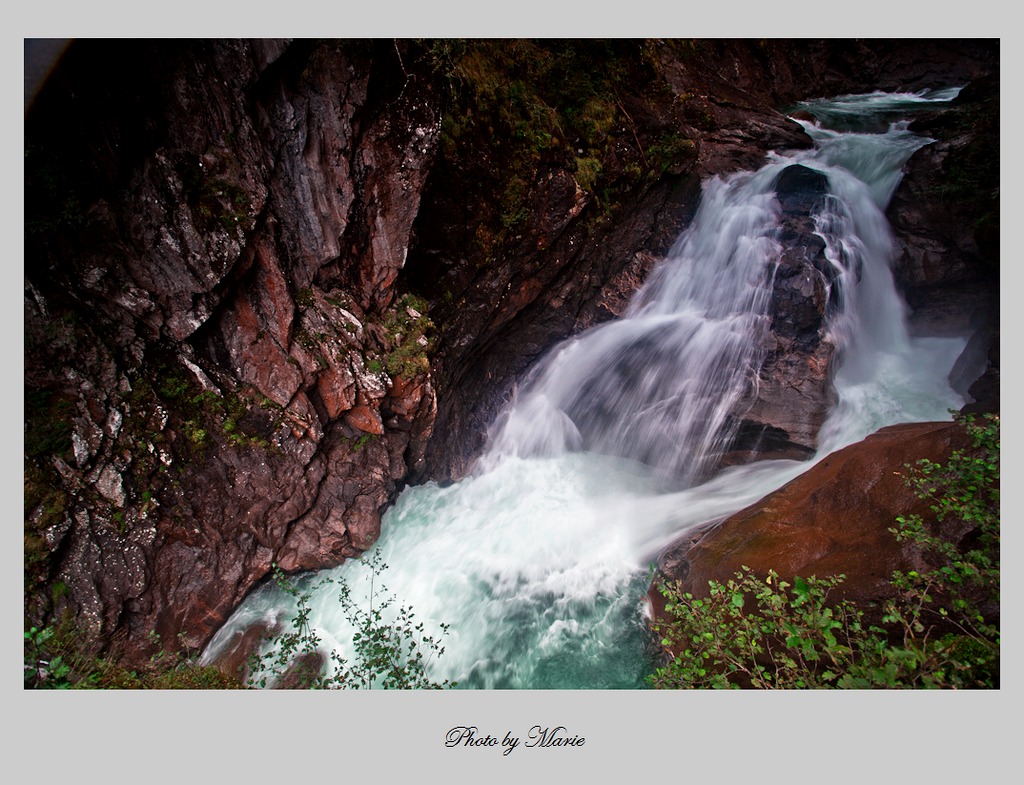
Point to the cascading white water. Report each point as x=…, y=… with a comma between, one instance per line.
x=657, y=385
x=538, y=561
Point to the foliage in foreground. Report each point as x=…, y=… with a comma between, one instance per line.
x=55, y=659
x=939, y=630
x=392, y=650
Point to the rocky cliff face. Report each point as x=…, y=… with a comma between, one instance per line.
x=267, y=283
x=692, y=109
x=211, y=309
x=945, y=216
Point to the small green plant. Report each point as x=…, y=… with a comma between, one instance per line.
x=174, y=387
x=46, y=505
x=392, y=650
x=362, y=441
x=588, y=171
x=196, y=434
x=408, y=330
x=44, y=670
x=204, y=413
x=216, y=201
x=939, y=629
x=304, y=298
x=58, y=591
x=56, y=657
x=671, y=150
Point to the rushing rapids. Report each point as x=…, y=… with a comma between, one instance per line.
x=539, y=560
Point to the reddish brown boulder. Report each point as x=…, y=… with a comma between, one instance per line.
x=833, y=519
x=235, y=657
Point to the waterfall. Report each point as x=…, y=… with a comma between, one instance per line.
x=539, y=559
x=657, y=385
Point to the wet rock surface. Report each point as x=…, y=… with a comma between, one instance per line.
x=235, y=403
x=945, y=217
x=833, y=519
x=794, y=390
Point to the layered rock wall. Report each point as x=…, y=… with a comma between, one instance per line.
x=220, y=322
x=945, y=217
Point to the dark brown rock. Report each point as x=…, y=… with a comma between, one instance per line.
x=794, y=390
x=219, y=443
x=235, y=656
x=833, y=519
x=945, y=217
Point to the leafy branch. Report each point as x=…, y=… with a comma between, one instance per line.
x=392, y=650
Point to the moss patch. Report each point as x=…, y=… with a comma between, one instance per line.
x=409, y=334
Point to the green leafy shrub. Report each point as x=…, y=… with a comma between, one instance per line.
x=949, y=614
x=793, y=638
x=939, y=629
x=43, y=669
x=392, y=651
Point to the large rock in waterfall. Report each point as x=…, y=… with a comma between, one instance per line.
x=794, y=386
x=833, y=519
